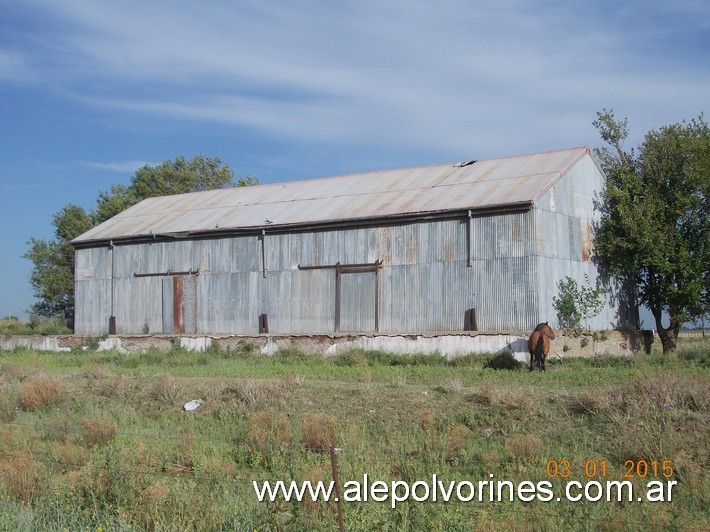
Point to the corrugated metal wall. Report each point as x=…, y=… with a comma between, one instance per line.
x=505, y=272
x=424, y=282
x=564, y=218
x=357, y=302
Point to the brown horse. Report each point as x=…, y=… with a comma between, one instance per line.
x=539, y=345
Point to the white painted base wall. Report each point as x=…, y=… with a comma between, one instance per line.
x=450, y=345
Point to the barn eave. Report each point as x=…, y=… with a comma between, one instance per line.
x=224, y=232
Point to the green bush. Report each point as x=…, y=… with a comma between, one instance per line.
x=574, y=303
x=697, y=355
x=349, y=359
x=504, y=360
x=472, y=360
x=293, y=354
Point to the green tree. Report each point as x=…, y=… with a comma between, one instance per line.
x=654, y=231
x=52, y=276
x=575, y=302
x=170, y=177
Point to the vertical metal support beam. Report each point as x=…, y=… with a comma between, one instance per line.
x=471, y=324
x=194, y=318
x=470, y=239
x=337, y=297
x=178, y=304
x=263, y=323
x=377, y=296
x=112, y=317
x=263, y=253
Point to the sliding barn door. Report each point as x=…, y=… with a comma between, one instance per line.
x=180, y=304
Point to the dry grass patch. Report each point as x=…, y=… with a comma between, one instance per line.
x=454, y=385
x=267, y=431
x=366, y=387
x=13, y=438
x=318, y=431
x=524, y=448
x=249, y=392
x=8, y=409
x=20, y=475
x=399, y=381
x=61, y=429
x=427, y=417
x=314, y=475
x=98, y=431
x=456, y=439
x=112, y=387
x=182, y=459
x=491, y=461
x=38, y=392
x=69, y=456
x=292, y=381
x=12, y=373
x=216, y=469
x=260, y=433
x=168, y=390
x=254, y=393
x=149, y=507
x=95, y=371
x=594, y=401
x=631, y=401
x=497, y=395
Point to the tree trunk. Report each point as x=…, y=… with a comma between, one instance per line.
x=668, y=335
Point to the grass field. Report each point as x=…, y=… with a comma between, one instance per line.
x=41, y=326
x=100, y=441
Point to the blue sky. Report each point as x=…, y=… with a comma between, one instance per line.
x=91, y=90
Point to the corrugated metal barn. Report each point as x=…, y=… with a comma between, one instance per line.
x=478, y=245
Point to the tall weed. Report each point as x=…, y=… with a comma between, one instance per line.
x=38, y=392
x=318, y=431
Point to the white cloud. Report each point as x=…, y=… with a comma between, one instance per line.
x=450, y=73
x=13, y=67
x=127, y=167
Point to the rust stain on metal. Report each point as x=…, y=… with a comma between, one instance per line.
x=587, y=241
x=178, y=305
x=412, y=249
x=448, y=251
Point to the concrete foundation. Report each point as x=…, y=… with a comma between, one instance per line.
x=617, y=343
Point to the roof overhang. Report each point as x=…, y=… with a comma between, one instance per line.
x=274, y=229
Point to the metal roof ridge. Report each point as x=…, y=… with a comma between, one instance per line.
x=454, y=165
x=532, y=154
x=586, y=151
x=416, y=182
x=455, y=168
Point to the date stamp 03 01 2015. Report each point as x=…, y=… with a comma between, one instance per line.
x=600, y=469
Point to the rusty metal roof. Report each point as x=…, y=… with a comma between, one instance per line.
x=474, y=185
